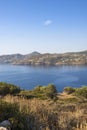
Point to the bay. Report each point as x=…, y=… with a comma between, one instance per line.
x=27, y=77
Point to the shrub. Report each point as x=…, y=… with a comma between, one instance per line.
x=9, y=111
x=42, y=92
x=81, y=92
x=69, y=90
x=51, y=91
x=8, y=89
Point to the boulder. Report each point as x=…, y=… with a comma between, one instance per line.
x=5, y=125
x=3, y=128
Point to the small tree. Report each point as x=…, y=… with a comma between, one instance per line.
x=51, y=91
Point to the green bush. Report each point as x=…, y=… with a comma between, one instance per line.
x=27, y=94
x=8, y=89
x=69, y=90
x=42, y=92
x=81, y=92
x=51, y=91
x=9, y=111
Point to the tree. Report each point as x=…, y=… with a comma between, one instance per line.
x=51, y=91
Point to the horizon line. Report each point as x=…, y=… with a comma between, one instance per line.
x=42, y=53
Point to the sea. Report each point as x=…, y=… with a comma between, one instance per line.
x=28, y=77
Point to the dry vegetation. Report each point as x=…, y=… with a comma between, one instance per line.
x=44, y=109
x=66, y=113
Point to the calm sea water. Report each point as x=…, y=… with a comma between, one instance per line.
x=28, y=77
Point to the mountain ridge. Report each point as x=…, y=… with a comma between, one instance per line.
x=36, y=58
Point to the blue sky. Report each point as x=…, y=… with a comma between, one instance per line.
x=53, y=26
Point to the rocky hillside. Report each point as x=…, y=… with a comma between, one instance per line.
x=35, y=58
x=10, y=58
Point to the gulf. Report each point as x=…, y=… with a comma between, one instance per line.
x=27, y=77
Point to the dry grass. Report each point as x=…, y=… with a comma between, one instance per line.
x=49, y=114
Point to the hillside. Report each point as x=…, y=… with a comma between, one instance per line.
x=35, y=58
x=10, y=58
x=43, y=108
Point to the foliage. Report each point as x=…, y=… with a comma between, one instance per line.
x=51, y=91
x=69, y=90
x=71, y=100
x=81, y=91
x=42, y=92
x=35, y=114
x=27, y=94
x=11, y=112
x=8, y=89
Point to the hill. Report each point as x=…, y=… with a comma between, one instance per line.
x=43, y=108
x=36, y=58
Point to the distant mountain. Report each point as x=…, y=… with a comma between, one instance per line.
x=83, y=52
x=10, y=58
x=35, y=53
x=36, y=58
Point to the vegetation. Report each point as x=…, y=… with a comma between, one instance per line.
x=8, y=89
x=10, y=111
x=28, y=110
x=69, y=90
x=81, y=92
x=42, y=92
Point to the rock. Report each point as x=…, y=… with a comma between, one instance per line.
x=5, y=125
x=3, y=128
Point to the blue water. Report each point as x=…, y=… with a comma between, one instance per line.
x=28, y=77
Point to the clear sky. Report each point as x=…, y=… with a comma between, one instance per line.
x=53, y=26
